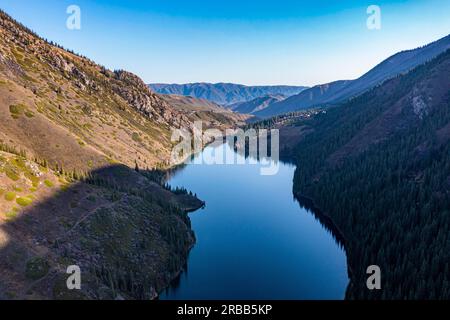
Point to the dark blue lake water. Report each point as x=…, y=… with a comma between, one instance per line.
x=254, y=240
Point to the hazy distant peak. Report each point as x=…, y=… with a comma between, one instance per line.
x=225, y=93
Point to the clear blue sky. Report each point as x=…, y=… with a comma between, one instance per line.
x=242, y=41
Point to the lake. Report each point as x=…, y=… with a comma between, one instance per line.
x=254, y=239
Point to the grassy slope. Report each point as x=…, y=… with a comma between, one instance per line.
x=75, y=105
x=129, y=235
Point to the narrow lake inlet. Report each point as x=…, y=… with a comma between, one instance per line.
x=254, y=240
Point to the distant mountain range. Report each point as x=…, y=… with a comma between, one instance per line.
x=225, y=94
x=339, y=91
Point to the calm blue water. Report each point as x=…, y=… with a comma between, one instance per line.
x=254, y=240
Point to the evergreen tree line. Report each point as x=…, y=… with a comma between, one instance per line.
x=392, y=201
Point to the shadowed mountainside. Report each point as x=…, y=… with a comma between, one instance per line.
x=129, y=235
x=378, y=166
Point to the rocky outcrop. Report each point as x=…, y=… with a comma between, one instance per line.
x=91, y=77
x=138, y=95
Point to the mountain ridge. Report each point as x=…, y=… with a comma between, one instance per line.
x=224, y=93
x=211, y=114
x=341, y=90
x=257, y=104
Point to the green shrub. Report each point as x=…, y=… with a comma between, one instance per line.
x=49, y=184
x=17, y=109
x=11, y=215
x=10, y=196
x=135, y=136
x=29, y=114
x=12, y=174
x=19, y=162
x=40, y=106
x=24, y=201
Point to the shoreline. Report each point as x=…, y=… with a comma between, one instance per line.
x=307, y=203
x=179, y=272
x=327, y=221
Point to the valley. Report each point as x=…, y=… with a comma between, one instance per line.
x=265, y=102
x=88, y=179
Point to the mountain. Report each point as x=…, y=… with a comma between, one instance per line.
x=188, y=103
x=211, y=114
x=257, y=104
x=339, y=91
x=70, y=102
x=378, y=167
x=80, y=152
x=225, y=93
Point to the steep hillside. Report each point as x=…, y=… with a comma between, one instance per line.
x=257, y=104
x=225, y=93
x=378, y=166
x=304, y=100
x=68, y=110
x=340, y=91
x=129, y=236
x=65, y=199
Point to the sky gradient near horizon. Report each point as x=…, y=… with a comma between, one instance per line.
x=251, y=42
